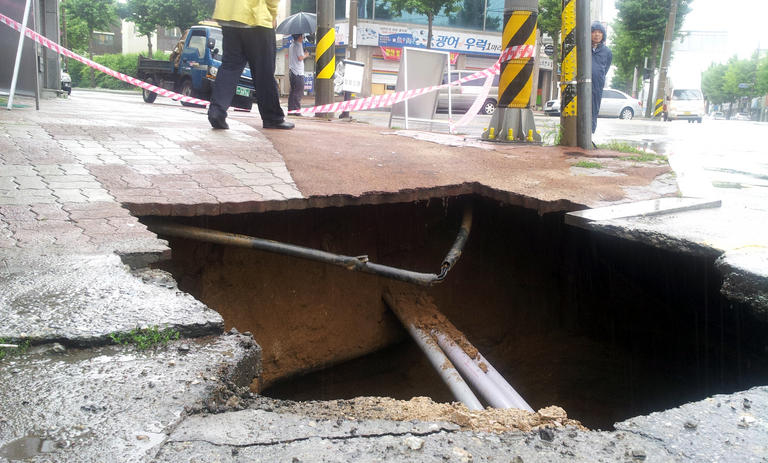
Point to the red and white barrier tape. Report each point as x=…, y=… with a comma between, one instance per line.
x=44, y=41
x=378, y=101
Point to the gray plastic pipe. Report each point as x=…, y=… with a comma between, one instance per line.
x=470, y=370
x=439, y=361
x=501, y=383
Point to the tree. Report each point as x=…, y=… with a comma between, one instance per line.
x=183, y=13
x=639, y=33
x=144, y=14
x=550, y=22
x=429, y=8
x=96, y=15
x=761, y=76
x=712, y=83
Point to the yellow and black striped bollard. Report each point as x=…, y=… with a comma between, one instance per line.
x=325, y=54
x=513, y=117
x=568, y=74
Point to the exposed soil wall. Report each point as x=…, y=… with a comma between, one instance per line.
x=605, y=328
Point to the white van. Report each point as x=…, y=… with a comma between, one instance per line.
x=685, y=103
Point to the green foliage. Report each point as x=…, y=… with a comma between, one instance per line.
x=550, y=21
x=144, y=14
x=182, y=13
x=720, y=83
x=22, y=348
x=761, y=76
x=638, y=31
x=588, y=165
x=126, y=64
x=96, y=14
x=78, y=35
x=144, y=338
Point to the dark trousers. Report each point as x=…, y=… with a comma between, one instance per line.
x=597, y=98
x=297, y=91
x=255, y=46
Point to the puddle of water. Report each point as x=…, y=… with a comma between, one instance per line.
x=26, y=447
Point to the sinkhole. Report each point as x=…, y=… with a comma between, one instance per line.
x=603, y=327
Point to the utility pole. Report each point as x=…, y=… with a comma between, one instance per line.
x=568, y=75
x=666, y=52
x=351, y=45
x=584, y=75
x=325, y=54
x=649, y=102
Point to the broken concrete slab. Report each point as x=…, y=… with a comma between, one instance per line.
x=720, y=428
x=116, y=403
x=640, y=208
x=79, y=300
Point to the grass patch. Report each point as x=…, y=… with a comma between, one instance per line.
x=639, y=155
x=588, y=165
x=646, y=157
x=22, y=348
x=144, y=338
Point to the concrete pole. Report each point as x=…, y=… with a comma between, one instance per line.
x=15, y=77
x=536, y=70
x=325, y=54
x=666, y=52
x=584, y=75
x=352, y=45
x=634, y=83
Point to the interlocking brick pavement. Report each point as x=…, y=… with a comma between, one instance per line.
x=75, y=174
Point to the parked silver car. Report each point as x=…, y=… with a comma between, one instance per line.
x=463, y=95
x=615, y=104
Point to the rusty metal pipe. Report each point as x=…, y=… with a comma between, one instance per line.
x=360, y=263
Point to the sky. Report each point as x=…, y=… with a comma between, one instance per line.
x=744, y=24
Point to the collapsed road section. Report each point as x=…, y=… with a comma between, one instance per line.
x=605, y=327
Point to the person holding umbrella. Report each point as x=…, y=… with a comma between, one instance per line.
x=296, y=56
x=248, y=33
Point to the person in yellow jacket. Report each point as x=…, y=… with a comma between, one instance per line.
x=248, y=33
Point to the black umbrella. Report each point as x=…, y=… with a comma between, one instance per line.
x=299, y=23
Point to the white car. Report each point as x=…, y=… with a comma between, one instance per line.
x=615, y=103
x=463, y=95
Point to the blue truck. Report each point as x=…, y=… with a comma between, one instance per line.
x=192, y=68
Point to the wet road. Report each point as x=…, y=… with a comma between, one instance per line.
x=716, y=159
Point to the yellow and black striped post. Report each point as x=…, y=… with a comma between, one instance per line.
x=568, y=100
x=325, y=54
x=658, y=109
x=513, y=119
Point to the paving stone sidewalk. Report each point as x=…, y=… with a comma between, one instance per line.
x=76, y=175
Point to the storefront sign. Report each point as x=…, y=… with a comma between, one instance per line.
x=382, y=35
x=394, y=54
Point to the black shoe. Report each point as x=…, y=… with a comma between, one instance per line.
x=218, y=122
x=285, y=125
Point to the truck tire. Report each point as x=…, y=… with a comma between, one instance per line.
x=149, y=97
x=186, y=89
